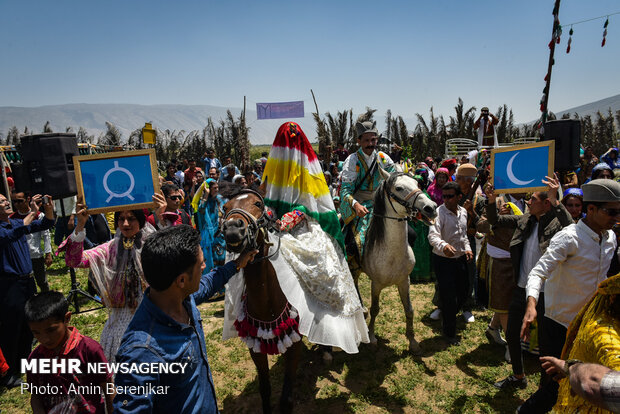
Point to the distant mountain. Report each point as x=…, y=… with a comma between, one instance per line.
x=128, y=117
x=613, y=103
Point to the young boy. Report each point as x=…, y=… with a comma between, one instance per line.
x=48, y=318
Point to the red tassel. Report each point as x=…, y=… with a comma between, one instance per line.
x=263, y=348
x=546, y=77
x=277, y=332
x=603, y=43
x=550, y=44
x=558, y=41
x=542, y=107
x=568, y=48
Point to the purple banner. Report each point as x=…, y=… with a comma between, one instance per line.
x=277, y=110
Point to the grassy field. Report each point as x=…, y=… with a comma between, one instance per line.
x=382, y=379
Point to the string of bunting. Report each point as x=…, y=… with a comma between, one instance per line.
x=555, y=39
x=558, y=32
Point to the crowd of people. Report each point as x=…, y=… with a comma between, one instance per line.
x=543, y=264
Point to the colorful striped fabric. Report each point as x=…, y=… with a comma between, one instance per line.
x=295, y=180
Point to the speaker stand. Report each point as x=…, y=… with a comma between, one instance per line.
x=74, y=295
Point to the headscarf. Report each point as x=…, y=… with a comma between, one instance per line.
x=434, y=190
x=608, y=291
x=118, y=274
x=237, y=177
x=598, y=168
x=294, y=180
x=198, y=195
x=577, y=192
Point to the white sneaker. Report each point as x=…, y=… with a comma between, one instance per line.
x=494, y=335
x=469, y=318
x=436, y=314
x=507, y=356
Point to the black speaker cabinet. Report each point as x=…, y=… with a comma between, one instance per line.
x=48, y=161
x=567, y=136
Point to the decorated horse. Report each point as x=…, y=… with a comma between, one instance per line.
x=299, y=283
x=387, y=257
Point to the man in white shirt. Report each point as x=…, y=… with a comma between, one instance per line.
x=533, y=232
x=572, y=267
x=452, y=251
x=22, y=200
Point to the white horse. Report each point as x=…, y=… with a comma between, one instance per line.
x=388, y=259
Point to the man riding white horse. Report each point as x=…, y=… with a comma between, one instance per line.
x=360, y=177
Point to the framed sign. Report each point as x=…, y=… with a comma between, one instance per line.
x=521, y=168
x=115, y=181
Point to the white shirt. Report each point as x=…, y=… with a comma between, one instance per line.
x=449, y=228
x=573, y=265
x=529, y=258
x=34, y=241
x=68, y=203
x=180, y=175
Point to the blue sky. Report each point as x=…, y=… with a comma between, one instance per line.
x=401, y=55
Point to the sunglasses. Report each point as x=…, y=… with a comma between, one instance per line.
x=175, y=197
x=611, y=212
x=448, y=196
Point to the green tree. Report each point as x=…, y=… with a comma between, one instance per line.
x=462, y=124
x=12, y=137
x=83, y=137
x=112, y=135
x=135, y=139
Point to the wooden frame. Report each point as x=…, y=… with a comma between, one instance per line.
x=550, y=165
x=80, y=160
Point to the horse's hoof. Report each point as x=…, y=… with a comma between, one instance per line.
x=327, y=358
x=373, y=341
x=414, y=348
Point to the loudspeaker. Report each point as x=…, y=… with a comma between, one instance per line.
x=567, y=136
x=48, y=161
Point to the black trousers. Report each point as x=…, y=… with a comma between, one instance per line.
x=551, y=341
x=516, y=312
x=453, y=284
x=15, y=337
x=38, y=268
x=473, y=281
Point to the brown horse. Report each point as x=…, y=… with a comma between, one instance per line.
x=245, y=226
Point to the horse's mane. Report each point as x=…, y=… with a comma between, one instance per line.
x=376, y=228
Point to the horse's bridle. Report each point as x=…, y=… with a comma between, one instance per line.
x=255, y=225
x=411, y=210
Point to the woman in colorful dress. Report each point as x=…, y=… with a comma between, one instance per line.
x=116, y=271
x=208, y=206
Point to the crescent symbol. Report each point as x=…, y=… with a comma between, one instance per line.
x=511, y=175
